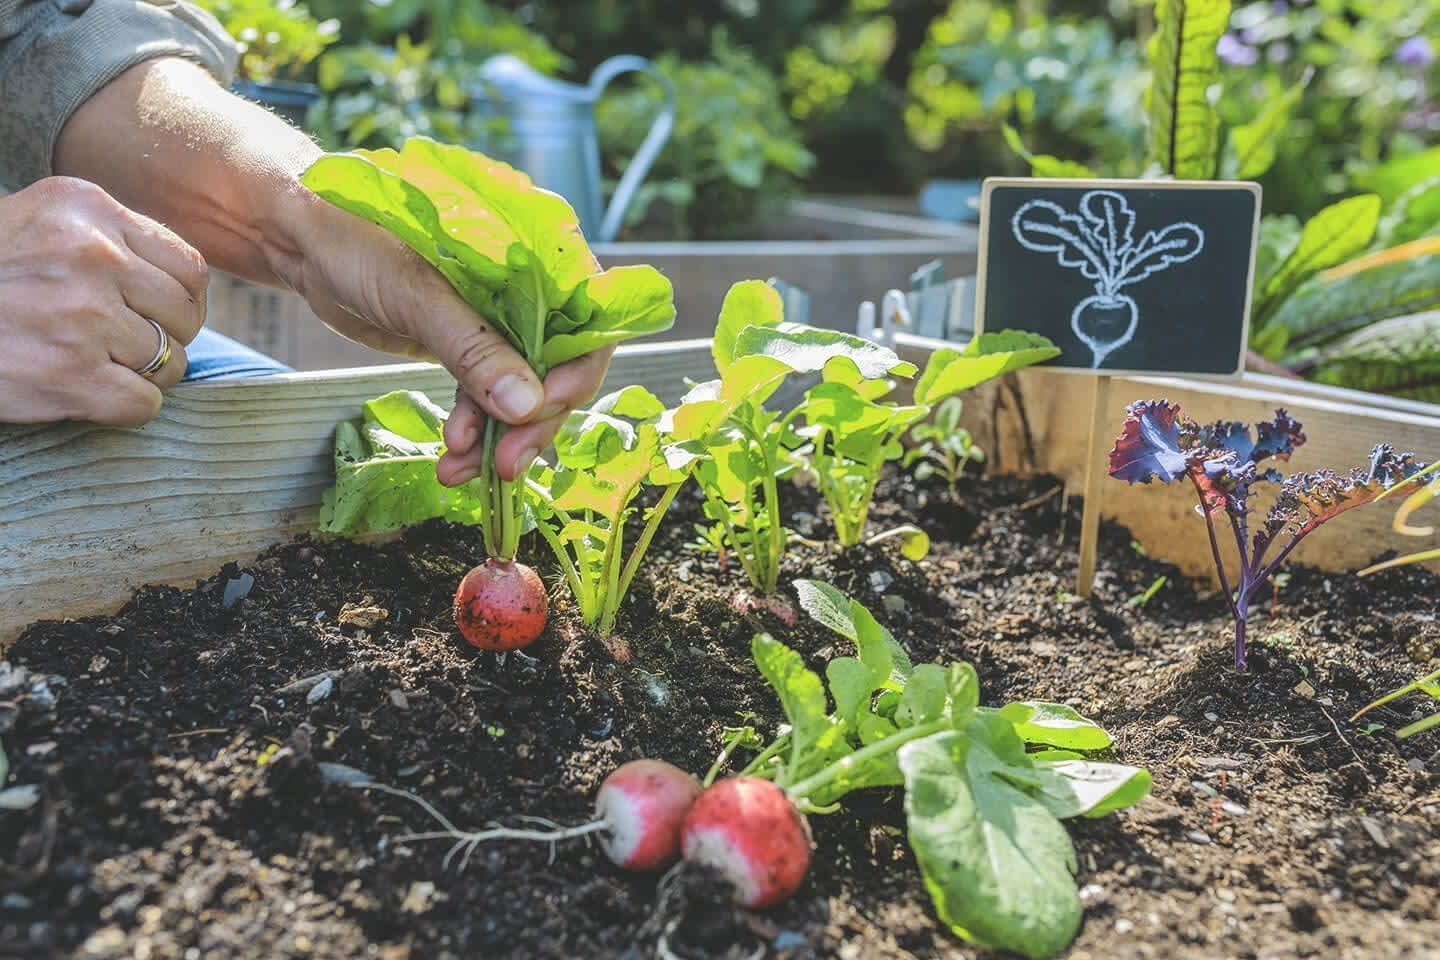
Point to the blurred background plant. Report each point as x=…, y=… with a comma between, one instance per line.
x=877, y=96
x=734, y=151
x=278, y=39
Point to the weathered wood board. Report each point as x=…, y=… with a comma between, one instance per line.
x=1341, y=427
x=89, y=514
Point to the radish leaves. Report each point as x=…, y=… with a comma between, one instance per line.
x=985, y=788
x=514, y=253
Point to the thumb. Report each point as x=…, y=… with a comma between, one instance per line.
x=480, y=357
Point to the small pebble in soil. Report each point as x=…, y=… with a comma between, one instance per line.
x=1233, y=808
x=1123, y=926
x=1204, y=788
x=237, y=589
x=880, y=580
x=1198, y=836
x=320, y=691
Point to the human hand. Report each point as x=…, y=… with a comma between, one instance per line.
x=369, y=286
x=79, y=275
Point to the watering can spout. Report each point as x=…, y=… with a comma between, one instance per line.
x=552, y=135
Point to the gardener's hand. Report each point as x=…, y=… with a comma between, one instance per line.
x=79, y=275
x=369, y=286
x=164, y=138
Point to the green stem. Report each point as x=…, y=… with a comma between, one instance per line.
x=609, y=579
x=572, y=576
x=764, y=756
x=632, y=565
x=802, y=791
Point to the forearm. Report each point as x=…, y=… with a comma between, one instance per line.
x=166, y=140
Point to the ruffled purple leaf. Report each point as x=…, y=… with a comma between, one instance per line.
x=1278, y=438
x=1309, y=499
x=1149, y=444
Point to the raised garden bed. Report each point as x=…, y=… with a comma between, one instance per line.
x=183, y=808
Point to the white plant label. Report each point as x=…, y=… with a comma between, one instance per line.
x=1099, y=242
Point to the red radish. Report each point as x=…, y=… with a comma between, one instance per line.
x=644, y=802
x=748, y=829
x=639, y=809
x=501, y=606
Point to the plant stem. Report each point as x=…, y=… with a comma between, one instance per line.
x=805, y=788
x=764, y=756
x=637, y=553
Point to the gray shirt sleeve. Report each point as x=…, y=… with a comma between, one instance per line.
x=55, y=54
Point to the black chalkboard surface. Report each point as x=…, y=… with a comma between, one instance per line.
x=1125, y=276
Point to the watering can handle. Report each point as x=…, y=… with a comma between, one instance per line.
x=650, y=147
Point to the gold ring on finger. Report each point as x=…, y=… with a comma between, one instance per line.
x=162, y=353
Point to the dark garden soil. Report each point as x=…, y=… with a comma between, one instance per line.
x=183, y=812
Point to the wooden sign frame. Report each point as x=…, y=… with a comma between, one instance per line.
x=993, y=183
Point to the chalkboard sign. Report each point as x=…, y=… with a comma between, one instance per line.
x=1125, y=276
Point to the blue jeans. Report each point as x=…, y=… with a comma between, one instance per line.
x=213, y=356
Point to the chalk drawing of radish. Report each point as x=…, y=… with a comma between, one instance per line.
x=1099, y=242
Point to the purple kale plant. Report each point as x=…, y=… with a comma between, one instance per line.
x=1223, y=461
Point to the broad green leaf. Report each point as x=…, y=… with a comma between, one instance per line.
x=1044, y=165
x=1055, y=725
x=925, y=696
x=802, y=696
x=1393, y=178
x=985, y=357
x=750, y=303
x=805, y=349
x=963, y=685
x=1250, y=151
x=385, y=470
x=747, y=380
x=997, y=863
x=1325, y=310
x=1279, y=234
x=1184, y=129
x=621, y=304
x=1332, y=236
x=851, y=685
x=1076, y=788
x=1399, y=356
x=878, y=648
x=1414, y=213
x=512, y=251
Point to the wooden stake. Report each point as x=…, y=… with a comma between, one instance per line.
x=1095, y=465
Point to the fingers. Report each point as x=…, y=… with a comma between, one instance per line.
x=151, y=292
x=516, y=450
x=122, y=398
x=492, y=372
x=162, y=247
x=574, y=384
x=567, y=387
x=133, y=343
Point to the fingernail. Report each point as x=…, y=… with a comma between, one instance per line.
x=522, y=462
x=551, y=409
x=464, y=476
x=516, y=396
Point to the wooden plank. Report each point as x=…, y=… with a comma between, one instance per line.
x=1340, y=434
x=1094, y=472
x=89, y=514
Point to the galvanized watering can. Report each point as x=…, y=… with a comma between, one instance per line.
x=552, y=134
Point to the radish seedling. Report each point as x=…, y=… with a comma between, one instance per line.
x=985, y=788
x=853, y=431
x=605, y=456
x=639, y=810
x=514, y=252
x=749, y=447
x=1157, y=441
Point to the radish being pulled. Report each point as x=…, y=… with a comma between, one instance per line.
x=501, y=606
x=639, y=810
x=748, y=829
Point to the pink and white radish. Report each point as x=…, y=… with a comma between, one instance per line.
x=639, y=810
x=748, y=829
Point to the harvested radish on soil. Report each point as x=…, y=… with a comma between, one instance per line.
x=639, y=810
x=501, y=606
x=748, y=829
x=644, y=802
